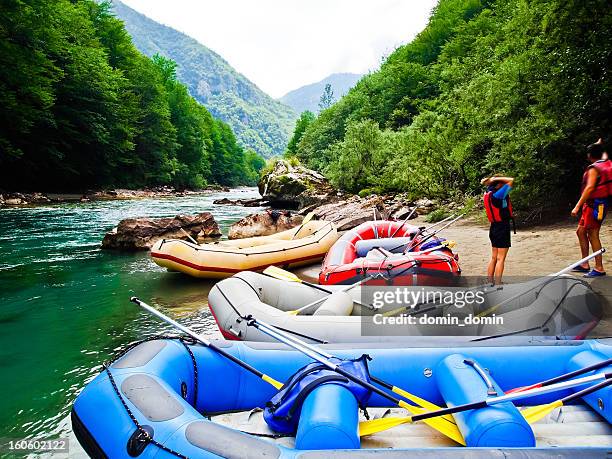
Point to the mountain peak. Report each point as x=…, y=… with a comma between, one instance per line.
x=259, y=121
x=307, y=97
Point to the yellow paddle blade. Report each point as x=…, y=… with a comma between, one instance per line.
x=272, y=381
x=535, y=413
x=293, y=313
x=306, y=219
x=373, y=426
x=441, y=424
x=281, y=274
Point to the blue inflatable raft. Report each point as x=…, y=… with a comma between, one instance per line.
x=184, y=396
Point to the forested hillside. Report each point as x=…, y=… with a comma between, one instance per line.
x=511, y=86
x=307, y=97
x=260, y=122
x=80, y=107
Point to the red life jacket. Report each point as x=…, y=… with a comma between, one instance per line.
x=494, y=213
x=603, y=185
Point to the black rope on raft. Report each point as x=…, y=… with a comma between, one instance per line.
x=186, y=341
x=243, y=317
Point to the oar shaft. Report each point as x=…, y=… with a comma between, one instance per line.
x=578, y=263
x=404, y=222
x=199, y=338
x=514, y=396
x=572, y=374
x=345, y=289
x=587, y=391
x=315, y=354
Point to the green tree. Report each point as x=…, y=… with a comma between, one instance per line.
x=327, y=98
x=301, y=125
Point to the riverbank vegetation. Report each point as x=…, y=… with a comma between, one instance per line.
x=80, y=107
x=511, y=86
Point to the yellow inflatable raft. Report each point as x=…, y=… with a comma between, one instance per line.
x=225, y=258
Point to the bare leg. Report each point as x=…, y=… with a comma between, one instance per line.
x=499, y=265
x=593, y=234
x=583, y=240
x=491, y=267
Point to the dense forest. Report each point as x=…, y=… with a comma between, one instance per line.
x=259, y=122
x=80, y=107
x=489, y=86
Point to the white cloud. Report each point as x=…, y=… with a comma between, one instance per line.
x=283, y=44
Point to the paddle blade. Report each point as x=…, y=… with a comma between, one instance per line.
x=278, y=385
x=440, y=424
x=293, y=313
x=278, y=273
x=373, y=426
x=420, y=402
x=535, y=413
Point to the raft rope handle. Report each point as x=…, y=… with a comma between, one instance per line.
x=143, y=432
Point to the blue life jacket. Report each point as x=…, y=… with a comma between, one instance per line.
x=282, y=412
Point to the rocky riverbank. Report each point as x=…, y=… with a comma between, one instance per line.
x=13, y=199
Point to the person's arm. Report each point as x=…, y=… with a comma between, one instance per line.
x=588, y=189
x=488, y=180
x=502, y=193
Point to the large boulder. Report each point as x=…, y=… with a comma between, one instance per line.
x=293, y=186
x=142, y=233
x=264, y=223
x=354, y=211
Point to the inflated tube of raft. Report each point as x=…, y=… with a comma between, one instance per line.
x=338, y=304
x=388, y=243
x=600, y=401
x=494, y=426
x=329, y=419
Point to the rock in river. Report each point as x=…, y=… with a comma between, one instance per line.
x=142, y=233
x=264, y=223
x=294, y=186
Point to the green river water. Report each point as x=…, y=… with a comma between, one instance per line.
x=64, y=301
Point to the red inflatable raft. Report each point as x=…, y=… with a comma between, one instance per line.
x=378, y=249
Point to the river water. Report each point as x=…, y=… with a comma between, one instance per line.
x=65, y=302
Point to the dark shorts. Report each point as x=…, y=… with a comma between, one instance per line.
x=499, y=234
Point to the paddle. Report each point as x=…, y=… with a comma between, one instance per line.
x=206, y=343
x=307, y=218
x=189, y=236
x=344, y=289
x=429, y=236
x=556, y=379
x=531, y=414
x=278, y=273
x=444, y=424
x=535, y=413
x=404, y=222
x=374, y=226
x=424, y=229
x=545, y=280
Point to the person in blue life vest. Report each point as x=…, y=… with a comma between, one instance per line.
x=593, y=205
x=499, y=212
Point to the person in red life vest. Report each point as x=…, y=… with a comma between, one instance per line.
x=499, y=212
x=593, y=205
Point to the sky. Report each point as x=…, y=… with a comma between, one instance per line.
x=281, y=45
